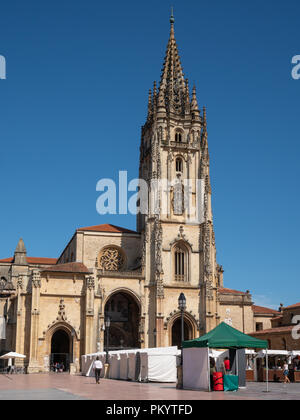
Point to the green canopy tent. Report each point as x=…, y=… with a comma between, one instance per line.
x=226, y=337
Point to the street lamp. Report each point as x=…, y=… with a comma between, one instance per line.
x=107, y=325
x=154, y=334
x=182, y=307
x=72, y=335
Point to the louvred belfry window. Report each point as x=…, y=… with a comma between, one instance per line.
x=180, y=263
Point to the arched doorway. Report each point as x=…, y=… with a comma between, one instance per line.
x=176, y=332
x=60, y=350
x=124, y=314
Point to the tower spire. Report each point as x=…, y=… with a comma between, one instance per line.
x=172, y=84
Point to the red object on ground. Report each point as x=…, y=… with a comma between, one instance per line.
x=218, y=381
x=227, y=364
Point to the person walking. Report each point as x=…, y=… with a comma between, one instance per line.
x=212, y=369
x=97, y=369
x=286, y=373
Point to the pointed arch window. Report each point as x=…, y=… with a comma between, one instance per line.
x=179, y=165
x=180, y=263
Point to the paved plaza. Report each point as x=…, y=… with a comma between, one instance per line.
x=66, y=387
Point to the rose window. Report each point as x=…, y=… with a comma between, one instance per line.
x=111, y=259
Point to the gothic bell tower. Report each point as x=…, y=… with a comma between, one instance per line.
x=179, y=253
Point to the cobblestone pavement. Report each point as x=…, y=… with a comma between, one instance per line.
x=66, y=387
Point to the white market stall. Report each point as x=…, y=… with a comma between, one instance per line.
x=87, y=362
x=131, y=373
x=13, y=355
x=10, y=356
x=158, y=364
x=144, y=365
x=124, y=366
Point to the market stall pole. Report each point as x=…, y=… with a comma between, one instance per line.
x=267, y=365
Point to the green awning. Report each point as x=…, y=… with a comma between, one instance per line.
x=226, y=337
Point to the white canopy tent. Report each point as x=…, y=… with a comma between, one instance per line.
x=159, y=364
x=13, y=355
x=124, y=361
x=114, y=366
x=131, y=366
x=87, y=362
x=154, y=365
x=263, y=353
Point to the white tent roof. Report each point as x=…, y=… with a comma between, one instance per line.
x=215, y=353
x=95, y=354
x=247, y=351
x=158, y=351
x=262, y=353
x=13, y=355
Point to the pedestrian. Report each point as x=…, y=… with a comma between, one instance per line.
x=226, y=365
x=212, y=370
x=286, y=373
x=97, y=369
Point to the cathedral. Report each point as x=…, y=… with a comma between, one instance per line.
x=54, y=310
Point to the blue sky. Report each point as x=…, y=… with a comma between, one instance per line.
x=75, y=98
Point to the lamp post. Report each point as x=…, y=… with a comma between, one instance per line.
x=181, y=307
x=154, y=335
x=72, y=355
x=107, y=325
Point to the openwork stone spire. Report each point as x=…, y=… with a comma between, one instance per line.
x=172, y=91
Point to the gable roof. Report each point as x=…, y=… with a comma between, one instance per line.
x=263, y=310
x=224, y=290
x=274, y=330
x=106, y=228
x=33, y=260
x=295, y=305
x=73, y=267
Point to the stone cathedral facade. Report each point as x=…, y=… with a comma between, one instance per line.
x=54, y=309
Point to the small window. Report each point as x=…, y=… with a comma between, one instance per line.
x=180, y=263
x=178, y=137
x=179, y=165
x=259, y=326
x=284, y=344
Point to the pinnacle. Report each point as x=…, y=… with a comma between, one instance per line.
x=21, y=246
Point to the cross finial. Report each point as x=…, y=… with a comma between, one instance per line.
x=172, y=19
